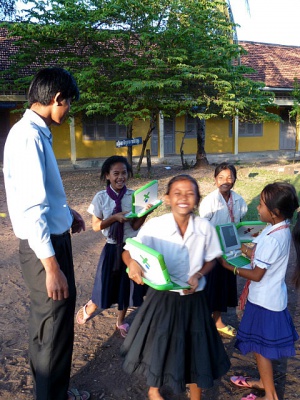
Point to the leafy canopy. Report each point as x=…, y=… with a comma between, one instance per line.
x=132, y=58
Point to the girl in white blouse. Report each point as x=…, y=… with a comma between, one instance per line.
x=221, y=206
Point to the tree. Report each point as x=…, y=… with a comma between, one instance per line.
x=7, y=9
x=134, y=58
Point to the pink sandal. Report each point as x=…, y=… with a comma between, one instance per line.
x=250, y=396
x=123, y=329
x=82, y=316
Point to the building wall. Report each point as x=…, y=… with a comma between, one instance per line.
x=218, y=139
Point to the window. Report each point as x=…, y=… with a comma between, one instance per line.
x=247, y=129
x=101, y=127
x=190, y=127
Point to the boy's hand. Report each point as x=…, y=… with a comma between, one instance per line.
x=78, y=224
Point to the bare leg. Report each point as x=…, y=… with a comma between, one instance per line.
x=218, y=319
x=153, y=394
x=121, y=316
x=265, y=369
x=195, y=392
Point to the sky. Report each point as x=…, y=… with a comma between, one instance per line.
x=268, y=21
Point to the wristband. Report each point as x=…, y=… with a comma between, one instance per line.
x=199, y=275
x=234, y=270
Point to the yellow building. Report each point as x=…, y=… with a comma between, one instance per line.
x=97, y=136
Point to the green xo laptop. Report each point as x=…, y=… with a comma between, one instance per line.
x=147, y=194
x=231, y=245
x=248, y=230
x=152, y=262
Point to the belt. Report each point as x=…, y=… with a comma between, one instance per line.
x=60, y=234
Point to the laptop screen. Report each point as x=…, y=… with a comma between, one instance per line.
x=229, y=237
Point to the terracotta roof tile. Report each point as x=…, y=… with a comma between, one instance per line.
x=276, y=65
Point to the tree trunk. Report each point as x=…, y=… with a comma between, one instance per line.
x=146, y=140
x=129, y=148
x=201, y=155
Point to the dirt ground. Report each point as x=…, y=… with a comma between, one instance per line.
x=97, y=365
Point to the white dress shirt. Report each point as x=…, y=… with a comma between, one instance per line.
x=36, y=198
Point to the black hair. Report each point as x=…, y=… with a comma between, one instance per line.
x=185, y=177
x=109, y=162
x=224, y=165
x=50, y=81
x=281, y=199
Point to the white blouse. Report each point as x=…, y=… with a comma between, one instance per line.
x=214, y=208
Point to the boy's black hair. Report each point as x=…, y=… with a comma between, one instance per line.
x=185, y=177
x=224, y=165
x=106, y=166
x=50, y=81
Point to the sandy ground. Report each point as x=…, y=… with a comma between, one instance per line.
x=96, y=362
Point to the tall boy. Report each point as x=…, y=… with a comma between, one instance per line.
x=42, y=220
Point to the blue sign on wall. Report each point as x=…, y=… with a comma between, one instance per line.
x=129, y=142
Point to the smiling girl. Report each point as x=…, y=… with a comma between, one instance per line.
x=108, y=210
x=173, y=340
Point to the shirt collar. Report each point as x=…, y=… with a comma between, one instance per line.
x=37, y=120
x=172, y=228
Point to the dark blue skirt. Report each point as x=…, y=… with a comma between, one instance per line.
x=173, y=341
x=269, y=333
x=112, y=284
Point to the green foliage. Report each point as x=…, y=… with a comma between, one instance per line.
x=7, y=9
x=296, y=95
x=133, y=58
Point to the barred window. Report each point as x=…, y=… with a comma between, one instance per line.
x=247, y=129
x=102, y=127
x=190, y=126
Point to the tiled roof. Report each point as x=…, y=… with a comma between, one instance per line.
x=276, y=65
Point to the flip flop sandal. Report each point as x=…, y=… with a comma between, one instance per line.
x=78, y=395
x=250, y=396
x=240, y=381
x=123, y=329
x=227, y=330
x=82, y=316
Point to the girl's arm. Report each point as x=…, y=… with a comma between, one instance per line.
x=255, y=274
x=247, y=250
x=194, y=279
x=135, y=271
x=99, y=224
x=138, y=222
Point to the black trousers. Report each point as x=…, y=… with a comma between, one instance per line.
x=51, y=323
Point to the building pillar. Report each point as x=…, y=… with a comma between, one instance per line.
x=161, y=135
x=72, y=140
x=236, y=135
